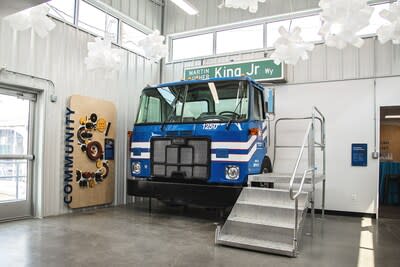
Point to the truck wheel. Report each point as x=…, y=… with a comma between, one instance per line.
x=266, y=166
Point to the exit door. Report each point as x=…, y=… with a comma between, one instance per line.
x=16, y=156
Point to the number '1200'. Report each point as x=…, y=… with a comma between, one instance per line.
x=210, y=126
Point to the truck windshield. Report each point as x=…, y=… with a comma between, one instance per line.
x=201, y=102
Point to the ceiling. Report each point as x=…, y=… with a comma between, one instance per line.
x=8, y=7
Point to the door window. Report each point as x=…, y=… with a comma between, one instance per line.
x=16, y=116
x=258, y=105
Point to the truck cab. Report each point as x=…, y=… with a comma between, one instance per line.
x=203, y=132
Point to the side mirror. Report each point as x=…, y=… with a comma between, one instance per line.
x=269, y=96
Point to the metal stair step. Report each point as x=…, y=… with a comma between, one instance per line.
x=283, y=178
x=266, y=222
x=274, y=215
x=258, y=231
x=271, y=196
x=287, y=206
x=256, y=244
x=283, y=186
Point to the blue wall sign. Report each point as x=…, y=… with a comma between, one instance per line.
x=359, y=155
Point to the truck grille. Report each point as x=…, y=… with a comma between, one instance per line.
x=180, y=157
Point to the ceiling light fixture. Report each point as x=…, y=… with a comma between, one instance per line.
x=392, y=117
x=185, y=6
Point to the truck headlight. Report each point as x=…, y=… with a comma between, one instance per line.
x=136, y=168
x=232, y=172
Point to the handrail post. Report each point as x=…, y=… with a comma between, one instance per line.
x=311, y=162
x=296, y=206
x=323, y=165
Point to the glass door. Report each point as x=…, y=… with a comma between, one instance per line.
x=16, y=158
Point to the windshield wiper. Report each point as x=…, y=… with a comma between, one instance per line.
x=228, y=125
x=171, y=112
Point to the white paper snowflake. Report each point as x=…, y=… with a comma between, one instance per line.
x=342, y=19
x=35, y=18
x=252, y=5
x=153, y=46
x=290, y=47
x=102, y=56
x=391, y=31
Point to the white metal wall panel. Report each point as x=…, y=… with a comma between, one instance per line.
x=210, y=15
x=325, y=63
x=350, y=61
x=383, y=59
x=366, y=57
x=395, y=59
x=317, y=64
x=147, y=12
x=60, y=58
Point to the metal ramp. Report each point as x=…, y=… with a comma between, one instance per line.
x=272, y=219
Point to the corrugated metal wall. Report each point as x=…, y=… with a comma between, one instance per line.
x=60, y=58
x=176, y=20
x=325, y=63
x=147, y=12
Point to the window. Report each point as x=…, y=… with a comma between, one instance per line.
x=96, y=21
x=198, y=102
x=150, y=109
x=130, y=37
x=375, y=21
x=258, y=105
x=192, y=109
x=194, y=46
x=246, y=38
x=63, y=9
x=309, y=29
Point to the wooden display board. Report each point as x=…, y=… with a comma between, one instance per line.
x=89, y=169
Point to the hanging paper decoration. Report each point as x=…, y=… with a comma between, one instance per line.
x=35, y=18
x=102, y=57
x=391, y=31
x=153, y=46
x=342, y=19
x=290, y=47
x=252, y=5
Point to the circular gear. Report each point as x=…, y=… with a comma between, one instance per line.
x=82, y=121
x=99, y=163
x=93, y=117
x=94, y=150
x=101, y=125
x=81, y=140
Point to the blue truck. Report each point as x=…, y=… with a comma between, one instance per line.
x=196, y=141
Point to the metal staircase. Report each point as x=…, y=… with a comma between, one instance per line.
x=272, y=219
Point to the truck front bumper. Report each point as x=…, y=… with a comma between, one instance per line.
x=204, y=195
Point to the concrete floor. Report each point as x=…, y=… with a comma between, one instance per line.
x=130, y=236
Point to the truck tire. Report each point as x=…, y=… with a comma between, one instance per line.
x=266, y=166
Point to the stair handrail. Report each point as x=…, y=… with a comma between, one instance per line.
x=309, y=138
x=319, y=144
x=306, y=136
